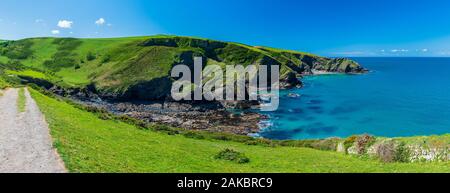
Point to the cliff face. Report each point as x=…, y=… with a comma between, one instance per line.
x=139, y=68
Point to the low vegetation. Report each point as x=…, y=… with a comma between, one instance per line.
x=21, y=100
x=409, y=149
x=232, y=155
x=3, y=84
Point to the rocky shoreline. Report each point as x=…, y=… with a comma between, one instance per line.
x=225, y=116
x=200, y=117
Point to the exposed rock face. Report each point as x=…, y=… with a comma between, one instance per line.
x=340, y=65
x=291, y=81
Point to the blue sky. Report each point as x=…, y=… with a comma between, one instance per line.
x=325, y=27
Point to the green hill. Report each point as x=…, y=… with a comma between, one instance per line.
x=121, y=67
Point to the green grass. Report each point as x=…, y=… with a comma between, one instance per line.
x=29, y=73
x=3, y=83
x=21, y=101
x=89, y=144
x=4, y=59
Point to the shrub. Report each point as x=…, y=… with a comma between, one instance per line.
x=164, y=128
x=67, y=43
x=363, y=142
x=402, y=153
x=349, y=142
x=106, y=58
x=64, y=57
x=386, y=151
x=133, y=121
x=90, y=56
x=264, y=141
x=326, y=144
x=391, y=151
x=297, y=143
x=12, y=65
x=232, y=155
x=221, y=137
x=251, y=142
x=17, y=49
x=104, y=116
x=60, y=60
x=193, y=135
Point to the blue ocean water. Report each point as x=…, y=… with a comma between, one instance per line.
x=399, y=97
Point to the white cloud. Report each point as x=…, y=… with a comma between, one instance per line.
x=425, y=50
x=65, y=24
x=444, y=53
x=55, y=32
x=351, y=53
x=399, y=50
x=100, y=21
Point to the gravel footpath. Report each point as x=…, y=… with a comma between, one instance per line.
x=25, y=142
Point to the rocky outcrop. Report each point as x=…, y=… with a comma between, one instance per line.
x=396, y=149
x=201, y=116
x=339, y=65
x=292, y=80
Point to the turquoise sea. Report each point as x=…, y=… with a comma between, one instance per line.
x=399, y=97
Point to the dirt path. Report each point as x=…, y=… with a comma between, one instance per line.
x=25, y=142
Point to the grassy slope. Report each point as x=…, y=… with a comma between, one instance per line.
x=122, y=50
x=121, y=62
x=89, y=144
x=3, y=84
